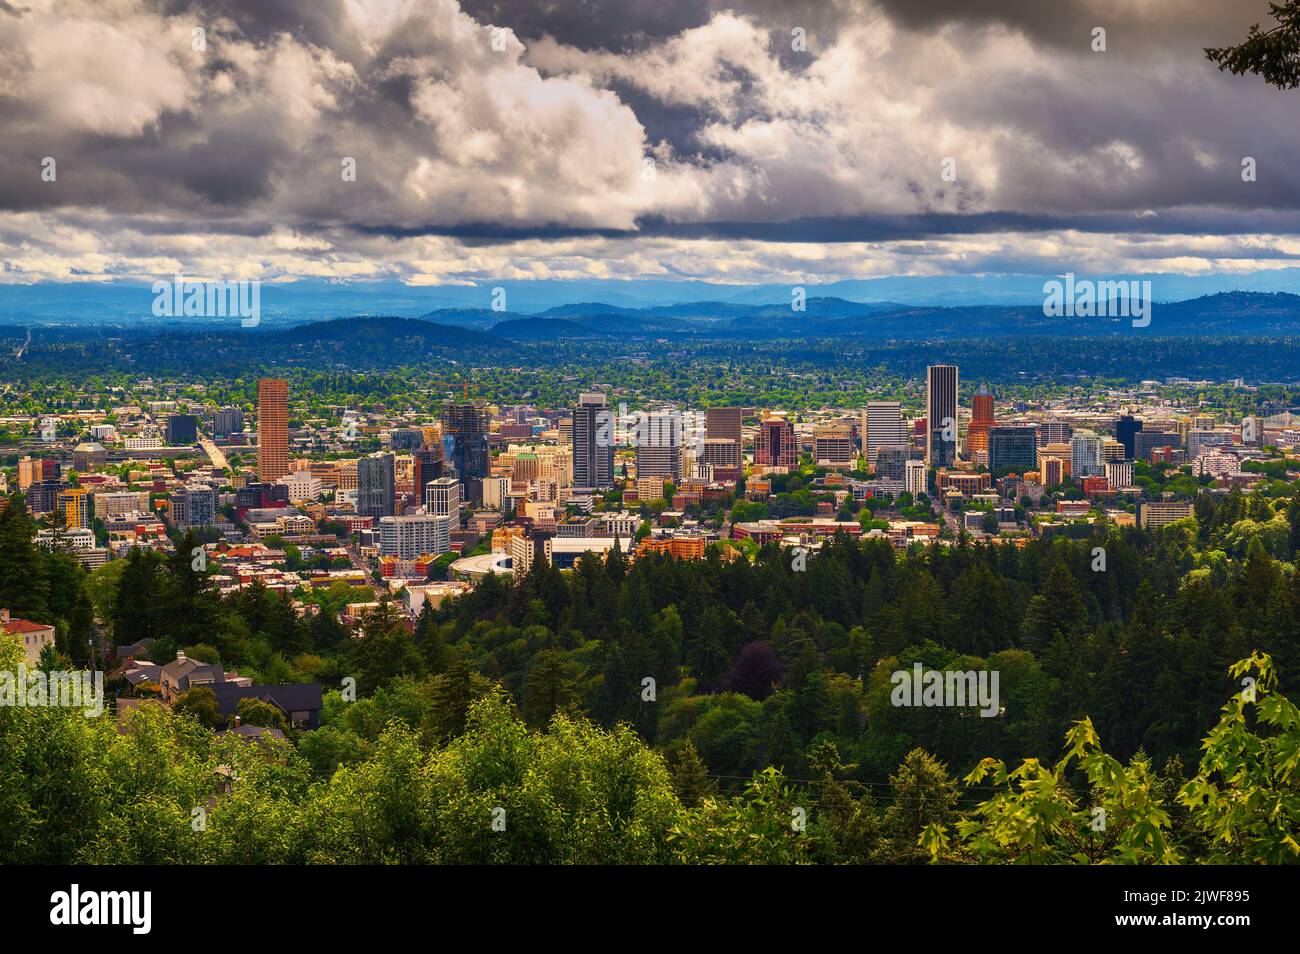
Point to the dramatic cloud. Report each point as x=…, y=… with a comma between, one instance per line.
x=605, y=139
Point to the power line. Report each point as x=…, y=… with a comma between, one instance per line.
x=822, y=781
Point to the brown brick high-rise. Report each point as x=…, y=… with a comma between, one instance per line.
x=982, y=420
x=272, y=428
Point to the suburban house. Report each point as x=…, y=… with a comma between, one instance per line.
x=182, y=674
x=137, y=650
x=33, y=636
x=255, y=732
x=136, y=673
x=300, y=702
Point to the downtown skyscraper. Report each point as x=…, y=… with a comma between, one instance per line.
x=775, y=445
x=228, y=420
x=724, y=423
x=882, y=427
x=593, y=443
x=1011, y=445
x=426, y=467
x=1126, y=430
x=467, y=450
x=941, y=415
x=982, y=419
x=658, y=443
x=272, y=429
x=375, y=485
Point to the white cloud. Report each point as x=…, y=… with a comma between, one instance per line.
x=230, y=158
x=75, y=68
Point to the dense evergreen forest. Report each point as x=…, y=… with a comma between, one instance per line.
x=714, y=710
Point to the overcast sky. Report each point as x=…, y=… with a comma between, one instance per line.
x=495, y=139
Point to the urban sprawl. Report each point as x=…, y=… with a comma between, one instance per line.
x=408, y=509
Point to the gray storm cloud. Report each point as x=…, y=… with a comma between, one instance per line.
x=542, y=139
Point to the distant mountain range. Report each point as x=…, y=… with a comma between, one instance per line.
x=1226, y=314
x=298, y=302
x=445, y=332
x=1218, y=337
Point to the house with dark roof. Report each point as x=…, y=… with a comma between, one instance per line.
x=301, y=702
x=136, y=650
x=137, y=672
x=256, y=732
x=182, y=674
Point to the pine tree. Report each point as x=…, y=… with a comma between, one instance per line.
x=1056, y=612
x=923, y=795
x=431, y=642
x=23, y=588
x=550, y=686
x=384, y=651
x=191, y=596
x=325, y=630
x=982, y=623
x=450, y=695
x=141, y=610
x=81, y=629
x=690, y=775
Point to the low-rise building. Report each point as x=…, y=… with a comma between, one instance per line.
x=32, y=636
x=1158, y=513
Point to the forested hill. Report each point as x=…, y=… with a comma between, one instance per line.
x=1194, y=339
x=771, y=692
x=1241, y=314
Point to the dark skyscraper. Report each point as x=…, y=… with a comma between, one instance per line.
x=593, y=443
x=375, y=486
x=941, y=414
x=43, y=495
x=1013, y=445
x=428, y=467
x=724, y=441
x=1126, y=430
x=467, y=426
x=724, y=423
x=182, y=429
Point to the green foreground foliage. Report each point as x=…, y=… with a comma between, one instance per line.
x=166, y=789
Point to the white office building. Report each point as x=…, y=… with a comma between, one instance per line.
x=302, y=485
x=495, y=493
x=414, y=536
x=914, y=478
x=1086, y=455
x=882, y=426
x=1119, y=473
x=442, y=498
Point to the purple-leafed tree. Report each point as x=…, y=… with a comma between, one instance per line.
x=756, y=672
